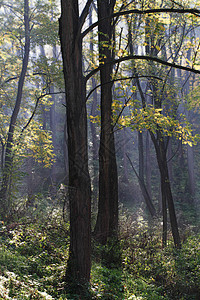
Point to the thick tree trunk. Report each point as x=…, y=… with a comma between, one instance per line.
x=5, y=204
x=107, y=219
x=79, y=263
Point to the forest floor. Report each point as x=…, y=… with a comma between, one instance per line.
x=34, y=252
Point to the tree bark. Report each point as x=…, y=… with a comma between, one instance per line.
x=52, y=117
x=191, y=175
x=166, y=191
x=52, y=113
x=145, y=193
x=93, y=113
x=148, y=165
x=141, y=155
x=79, y=263
x=107, y=219
x=124, y=138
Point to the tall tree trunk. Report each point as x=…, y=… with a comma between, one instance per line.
x=53, y=132
x=2, y=154
x=166, y=191
x=145, y=193
x=44, y=113
x=161, y=151
x=190, y=150
x=30, y=182
x=125, y=159
x=148, y=165
x=93, y=113
x=79, y=263
x=143, y=186
x=52, y=113
x=5, y=203
x=191, y=175
x=169, y=159
x=141, y=155
x=107, y=219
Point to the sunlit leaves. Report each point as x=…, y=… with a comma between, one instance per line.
x=192, y=101
x=41, y=73
x=36, y=143
x=48, y=68
x=154, y=120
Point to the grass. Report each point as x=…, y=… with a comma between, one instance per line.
x=33, y=259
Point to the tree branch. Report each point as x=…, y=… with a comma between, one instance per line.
x=84, y=14
x=195, y=12
x=142, y=57
x=144, y=190
x=35, y=108
x=27, y=75
x=118, y=79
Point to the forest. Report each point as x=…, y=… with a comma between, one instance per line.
x=100, y=149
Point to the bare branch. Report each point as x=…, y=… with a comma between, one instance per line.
x=195, y=12
x=27, y=75
x=144, y=190
x=143, y=57
x=35, y=109
x=84, y=14
x=118, y=79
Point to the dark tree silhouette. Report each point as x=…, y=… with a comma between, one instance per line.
x=79, y=264
x=107, y=219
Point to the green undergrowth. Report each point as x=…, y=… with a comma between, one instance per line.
x=33, y=257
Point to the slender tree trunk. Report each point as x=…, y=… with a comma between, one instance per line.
x=191, y=175
x=79, y=263
x=93, y=113
x=2, y=154
x=141, y=156
x=169, y=156
x=144, y=192
x=190, y=150
x=148, y=165
x=125, y=162
x=143, y=187
x=53, y=132
x=5, y=204
x=166, y=192
x=164, y=211
x=107, y=219
x=30, y=183
x=65, y=151
x=161, y=153
x=52, y=114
